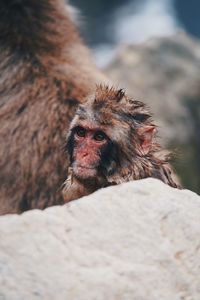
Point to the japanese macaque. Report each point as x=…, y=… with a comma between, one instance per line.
x=112, y=140
x=45, y=71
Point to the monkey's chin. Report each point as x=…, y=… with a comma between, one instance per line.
x=84, y=173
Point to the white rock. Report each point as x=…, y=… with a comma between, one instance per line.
x=137, y=241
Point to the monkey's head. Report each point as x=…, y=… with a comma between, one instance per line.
x=109, y=136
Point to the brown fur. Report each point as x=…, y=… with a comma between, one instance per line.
x=124, y=121
x=45, y=70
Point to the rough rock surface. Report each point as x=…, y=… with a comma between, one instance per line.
x=165, y=73
x=137, y=241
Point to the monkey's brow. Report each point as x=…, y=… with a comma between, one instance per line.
x=82, y=113
x=81, y=110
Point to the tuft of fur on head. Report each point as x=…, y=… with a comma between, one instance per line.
x=108, y=94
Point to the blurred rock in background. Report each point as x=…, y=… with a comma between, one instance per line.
x=142, y=46
x=165, y=73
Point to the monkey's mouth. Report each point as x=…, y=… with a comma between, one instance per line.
x=84, y=172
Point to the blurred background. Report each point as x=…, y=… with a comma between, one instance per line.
x=152, y=49
x=107, y=23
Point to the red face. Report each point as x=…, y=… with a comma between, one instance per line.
x=88, y=145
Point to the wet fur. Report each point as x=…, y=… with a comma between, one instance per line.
x=122, y=119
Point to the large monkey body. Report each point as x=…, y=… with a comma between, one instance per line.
x=112, y=140
x=44, y=72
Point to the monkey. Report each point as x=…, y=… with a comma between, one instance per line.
x=111, y=140
x=45, y=72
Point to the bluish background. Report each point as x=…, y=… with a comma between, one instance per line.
x=110, y=22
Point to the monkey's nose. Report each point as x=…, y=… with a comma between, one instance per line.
x=85, y=154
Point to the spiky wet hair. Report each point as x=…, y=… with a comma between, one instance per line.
x=115, y=111
x=121, y=118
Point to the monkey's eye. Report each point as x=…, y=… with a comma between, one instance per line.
x=80, y=131
x=99, y=136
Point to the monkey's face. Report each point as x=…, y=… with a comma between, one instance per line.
x=86, y=145
x=110, y=141
x=108, y=134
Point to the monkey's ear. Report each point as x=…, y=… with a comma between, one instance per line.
x=146, y=135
